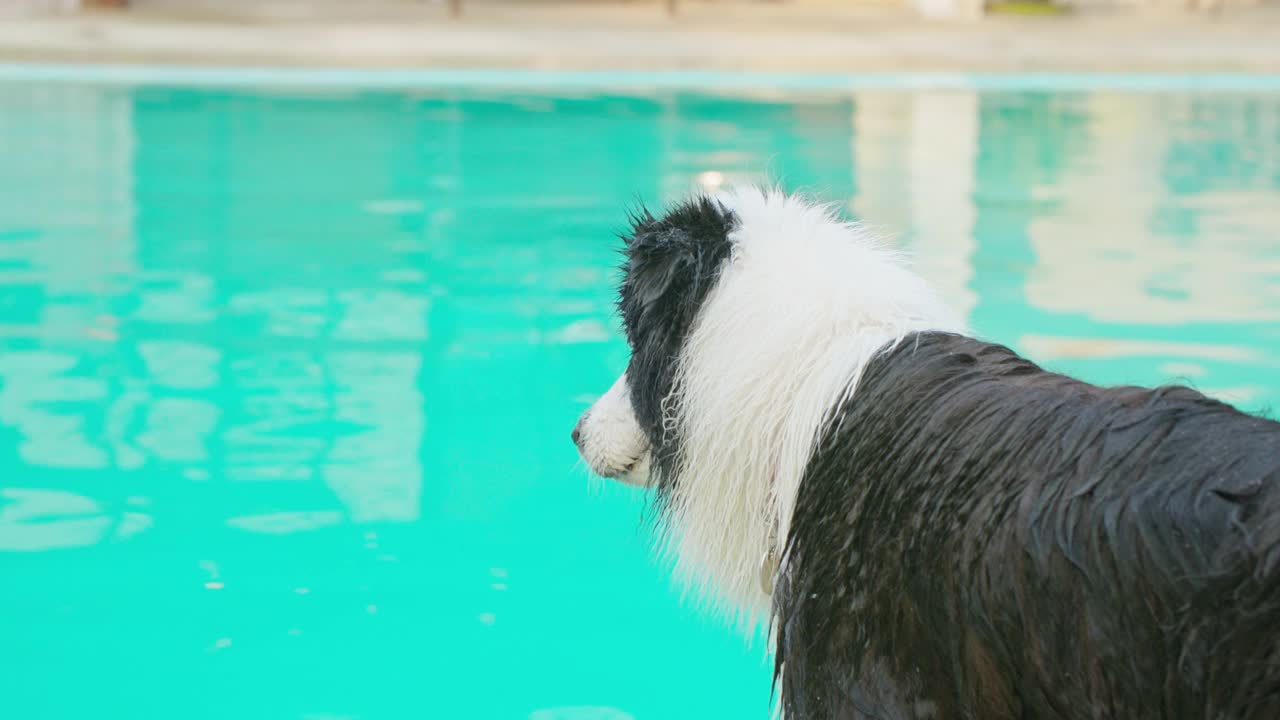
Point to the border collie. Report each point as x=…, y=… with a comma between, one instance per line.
x=933, y=526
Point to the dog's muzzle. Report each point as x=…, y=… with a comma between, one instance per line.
x=610, y=439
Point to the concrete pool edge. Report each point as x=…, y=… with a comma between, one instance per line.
x=623, y=81
x=631, y=37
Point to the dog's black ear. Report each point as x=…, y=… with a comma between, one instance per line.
x=658, y=268
x=670, y=263
x=668, y=254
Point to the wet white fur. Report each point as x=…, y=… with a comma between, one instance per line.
x=612, y=443
x=804, y=303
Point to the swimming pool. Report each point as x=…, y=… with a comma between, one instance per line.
x=287, y=372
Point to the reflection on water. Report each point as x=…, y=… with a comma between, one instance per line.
x=1178, y=227
x=286, y=378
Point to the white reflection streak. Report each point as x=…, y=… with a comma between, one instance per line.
x=77, y=183
x=943, y=151
x=914, y=156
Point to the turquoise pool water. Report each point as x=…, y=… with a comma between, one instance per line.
x=287, y=375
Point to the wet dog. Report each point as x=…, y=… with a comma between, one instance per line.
x=933, y=526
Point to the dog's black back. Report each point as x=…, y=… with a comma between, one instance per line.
x=978, y=538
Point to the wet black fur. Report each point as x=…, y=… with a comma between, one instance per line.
x=978, y=538
x=671, y=264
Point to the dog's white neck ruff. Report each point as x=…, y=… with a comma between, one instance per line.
x=802, y=305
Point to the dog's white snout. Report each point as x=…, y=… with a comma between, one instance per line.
x=610, y=439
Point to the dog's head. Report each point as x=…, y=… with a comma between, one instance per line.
x=750, y=316
x=670, y=265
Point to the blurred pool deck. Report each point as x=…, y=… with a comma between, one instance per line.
x=806, y=36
